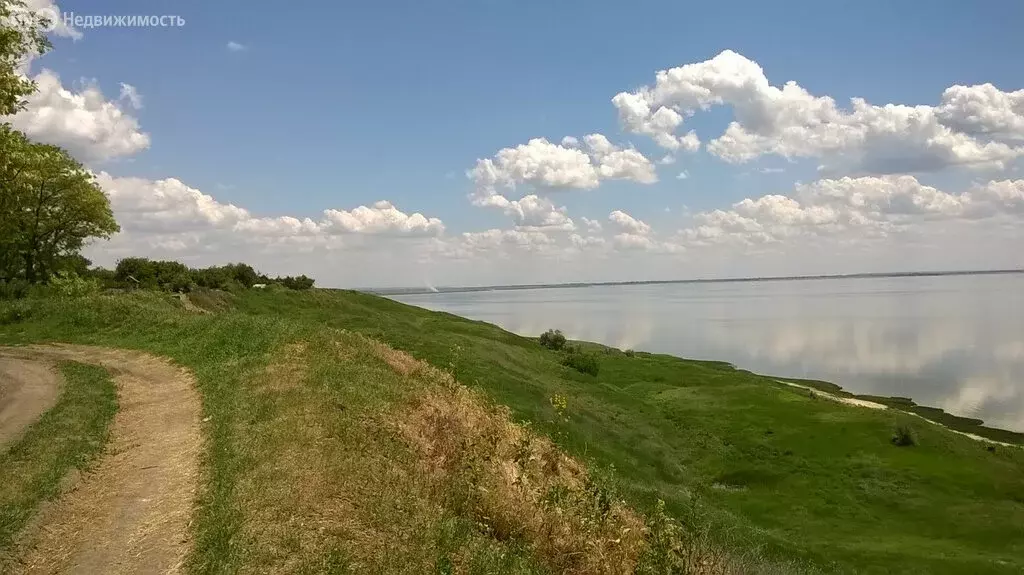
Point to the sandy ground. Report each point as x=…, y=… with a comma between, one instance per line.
x=130, y=514
x=826, y=395
x=27, y=389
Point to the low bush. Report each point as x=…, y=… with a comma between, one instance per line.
x=581, y=361
x=70, y=285
x=904, y=436
x=552, y=339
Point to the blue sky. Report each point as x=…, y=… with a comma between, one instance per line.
x=337, y=105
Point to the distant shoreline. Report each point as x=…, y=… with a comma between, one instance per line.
x=458, y=289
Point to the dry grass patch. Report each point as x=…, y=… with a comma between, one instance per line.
x=514, y=483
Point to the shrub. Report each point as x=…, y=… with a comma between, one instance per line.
x=630, y=353
x=904, y=436
x=69, y=285
x=583, y=362
x=296, y=283
x=552, y=339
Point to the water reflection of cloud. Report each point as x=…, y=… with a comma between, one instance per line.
x=951, y=365
x=955, y=343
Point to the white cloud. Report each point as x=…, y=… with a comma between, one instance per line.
x=52, y=12
x=668, y=160
x=131, y=95
x=592, y=225
x=791, y=122
x=772, y=170
x=170, y=210
x=586, y=242
x=628, y=223
x=984, y=111
x=531, y=211
x=860, y=208
x=236, y=47
x=382, y=218
x=471, y=244
x=683, y=175
x=546, y=166
x=91, y=127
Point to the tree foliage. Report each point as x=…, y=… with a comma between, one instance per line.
x=21, y=36
x=50, y=205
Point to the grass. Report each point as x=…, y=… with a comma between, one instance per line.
x=308, y=471
x=65, y=439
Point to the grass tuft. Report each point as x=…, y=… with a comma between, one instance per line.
x=904, y=436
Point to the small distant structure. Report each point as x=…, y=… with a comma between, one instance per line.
x=259, y=286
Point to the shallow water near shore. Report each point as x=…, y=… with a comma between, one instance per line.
x=954, y=342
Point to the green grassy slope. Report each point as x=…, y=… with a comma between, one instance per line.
x=761, y=464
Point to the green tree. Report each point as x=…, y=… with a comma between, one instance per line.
x=21, y=35
x=49, y=207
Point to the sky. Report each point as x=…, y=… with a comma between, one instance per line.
x=373, y=144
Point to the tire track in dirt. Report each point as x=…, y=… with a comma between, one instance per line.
x=130, y=514
x=27, y=390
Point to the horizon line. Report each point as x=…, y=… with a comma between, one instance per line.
x=563, y=285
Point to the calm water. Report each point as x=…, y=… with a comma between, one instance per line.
x=951, y=342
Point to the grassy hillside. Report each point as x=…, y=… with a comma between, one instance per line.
x=768, y=472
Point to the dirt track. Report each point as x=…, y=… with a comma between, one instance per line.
x=27, y=390
x=131, y=513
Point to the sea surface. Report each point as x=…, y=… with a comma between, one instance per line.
x=955, y=342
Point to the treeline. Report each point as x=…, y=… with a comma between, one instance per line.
x=172, y=276
x=78, y=276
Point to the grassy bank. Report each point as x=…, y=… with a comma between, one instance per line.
x=66, y=439
x=767, y=472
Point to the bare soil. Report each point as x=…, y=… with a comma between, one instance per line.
x=130, y=514
x=27, y=390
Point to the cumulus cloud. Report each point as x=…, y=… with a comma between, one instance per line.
x=168, y=213
x=236, y=47
x=983, y=111
x=91, y=127
x=863, y=207
x=531, y=211
x=974, y=126
x=628, y=223
x=543, y=165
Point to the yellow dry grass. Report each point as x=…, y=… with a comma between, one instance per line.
x=516, y=484
x=374, y=487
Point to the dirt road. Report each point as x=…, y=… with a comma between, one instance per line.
x=131, y=513
x=27, y=389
